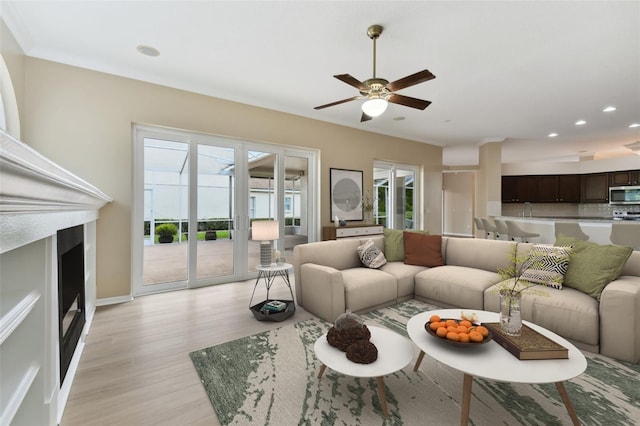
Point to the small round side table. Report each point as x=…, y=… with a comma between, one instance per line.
x=268, y=275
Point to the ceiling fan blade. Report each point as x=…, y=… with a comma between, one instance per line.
x=351, y=81
x=410, y=80
x=337, y=102
x=365, y=117
x=409, y=101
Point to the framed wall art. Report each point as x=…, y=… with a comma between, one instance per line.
x=346, y=194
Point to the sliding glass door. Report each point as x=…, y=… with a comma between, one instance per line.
x=204, y=192
x=216, y=209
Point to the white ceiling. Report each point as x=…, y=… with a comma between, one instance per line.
x=513, y=71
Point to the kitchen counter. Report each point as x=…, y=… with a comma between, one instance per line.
x=598, y=228
x=561, y=218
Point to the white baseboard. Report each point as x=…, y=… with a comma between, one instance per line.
x=113, y=300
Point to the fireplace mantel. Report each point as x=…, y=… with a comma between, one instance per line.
x=38, y=197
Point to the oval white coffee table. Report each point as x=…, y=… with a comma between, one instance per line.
x=491, y=361
x=394, y=353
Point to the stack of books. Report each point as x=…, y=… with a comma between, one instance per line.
x=529, y=345
x=273, y=307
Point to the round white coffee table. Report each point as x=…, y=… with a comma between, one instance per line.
x=491, y=361
x=394, y=353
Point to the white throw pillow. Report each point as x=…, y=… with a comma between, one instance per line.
x=547, y=265
x=370, y=255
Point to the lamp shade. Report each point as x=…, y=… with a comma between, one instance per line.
x=264, y=230
x=374, y=107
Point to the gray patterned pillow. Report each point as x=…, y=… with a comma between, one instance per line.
x=547, y=265
x=370, y=255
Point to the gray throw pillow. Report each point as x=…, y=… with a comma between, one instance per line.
x=370, y=255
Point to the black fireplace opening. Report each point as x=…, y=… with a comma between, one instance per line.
x=71, y=297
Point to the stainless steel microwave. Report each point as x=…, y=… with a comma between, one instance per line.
x=624, y=195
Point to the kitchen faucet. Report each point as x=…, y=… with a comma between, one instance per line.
x=524, y=209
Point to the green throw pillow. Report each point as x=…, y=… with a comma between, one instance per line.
x=593, y=266
x=394, y=244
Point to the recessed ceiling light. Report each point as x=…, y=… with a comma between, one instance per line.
x=580, y=122
x=552, y=135
x=609, y=109
x=148, y=50
x=634, y=125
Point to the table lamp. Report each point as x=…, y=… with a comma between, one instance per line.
x=265, y=231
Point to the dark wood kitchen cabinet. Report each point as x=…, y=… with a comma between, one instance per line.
x=559, y=189
x=527, y=189
x=519, y=189
x=569, y=188
x=622, y=178
x=541, y=189
x=509, y=189
x=595, y=188
x=548, y=189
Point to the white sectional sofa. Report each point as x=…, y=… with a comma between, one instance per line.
x=330, y=278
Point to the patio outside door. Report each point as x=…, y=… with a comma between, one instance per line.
x=188, y=183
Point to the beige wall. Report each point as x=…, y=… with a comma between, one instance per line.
x=82, y=120
x=489, y=181
x=459, y=191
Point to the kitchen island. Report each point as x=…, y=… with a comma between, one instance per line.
x=598, y=228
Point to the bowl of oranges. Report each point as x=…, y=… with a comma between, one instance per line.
x=460, y=332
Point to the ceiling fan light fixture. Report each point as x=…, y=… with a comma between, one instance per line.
x=374, y=107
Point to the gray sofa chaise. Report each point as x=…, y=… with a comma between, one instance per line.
x=330, y=279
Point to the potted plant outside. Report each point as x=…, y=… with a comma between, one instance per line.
x=165, y=232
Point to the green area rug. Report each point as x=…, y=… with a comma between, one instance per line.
x=270, y=379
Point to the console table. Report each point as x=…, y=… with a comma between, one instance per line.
x=350, y=231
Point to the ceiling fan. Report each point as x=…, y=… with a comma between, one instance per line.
x=379, y=91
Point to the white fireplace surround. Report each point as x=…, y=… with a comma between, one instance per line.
x=38, y=198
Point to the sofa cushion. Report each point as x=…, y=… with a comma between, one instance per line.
x=405, y=275
x=422, y=249
x=593, y=266
x=365, y=288
x=632, y=266
x=455, y=285
x=488, y=255
x=394, y=244
x=370, y=255
x=568, y=312
x=546, y=265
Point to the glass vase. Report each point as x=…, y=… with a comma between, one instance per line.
x=510, y=315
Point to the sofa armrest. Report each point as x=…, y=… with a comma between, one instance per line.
x=322, y=289
x=620, y=319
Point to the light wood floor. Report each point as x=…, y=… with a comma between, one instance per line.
x=135, y=368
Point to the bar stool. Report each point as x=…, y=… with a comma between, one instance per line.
x=516, y=232
x=502, y=229
x=570, y=229
x=626, y=234
x=489, y=227
x=479, y=226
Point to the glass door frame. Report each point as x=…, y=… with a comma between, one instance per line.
x=241, y=199
x=392, y=170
